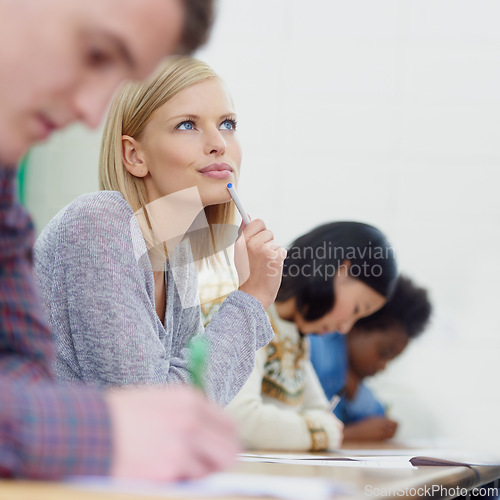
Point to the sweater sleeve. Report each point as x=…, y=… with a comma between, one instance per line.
x=238, y=329
x=314, y=397
x=267, y=426
x=102, y=295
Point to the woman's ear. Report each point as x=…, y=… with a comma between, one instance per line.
x=132, y=158
x=343, y=271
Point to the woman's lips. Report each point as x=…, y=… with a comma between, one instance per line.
x=218, y=174
x=217, y=171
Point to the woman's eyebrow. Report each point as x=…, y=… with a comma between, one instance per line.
x=184, y=116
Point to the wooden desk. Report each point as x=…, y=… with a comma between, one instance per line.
x=370, y=480
x=365, y=482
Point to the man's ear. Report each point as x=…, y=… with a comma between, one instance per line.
x=132, y=159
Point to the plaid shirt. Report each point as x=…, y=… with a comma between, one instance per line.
x=46, y=431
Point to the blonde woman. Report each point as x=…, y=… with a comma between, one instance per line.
x=116, y=268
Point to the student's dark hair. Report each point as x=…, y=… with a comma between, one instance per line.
x=314, y=258
x=408, y=307
x=199, y=17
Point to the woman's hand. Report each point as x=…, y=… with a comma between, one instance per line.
x=259, y=262
x=371, y=429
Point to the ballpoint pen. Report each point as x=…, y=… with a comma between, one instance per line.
x=237, y=202
x=336, y=398
x=334, y=402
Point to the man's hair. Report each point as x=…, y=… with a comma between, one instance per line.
x=199, y=17
x=408, y=307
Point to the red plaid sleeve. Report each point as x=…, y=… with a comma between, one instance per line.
x=26, y=345
x=47, y=432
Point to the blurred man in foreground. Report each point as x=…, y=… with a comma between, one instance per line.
x=61, y=61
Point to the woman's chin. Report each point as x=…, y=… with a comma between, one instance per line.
x=216, y=198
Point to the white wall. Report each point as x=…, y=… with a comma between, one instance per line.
x=382, y=111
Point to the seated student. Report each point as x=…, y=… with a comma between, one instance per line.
x=331, y=278
x=117, y=275
x=63, y=72
x=343, y=361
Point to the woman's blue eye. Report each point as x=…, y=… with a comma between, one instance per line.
x=186, y=126
x=228, y=125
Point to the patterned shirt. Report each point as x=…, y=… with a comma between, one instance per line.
x=286, y=369
x=330, y=360
x=46, y=431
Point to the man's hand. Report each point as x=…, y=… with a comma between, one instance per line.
x=169, y=434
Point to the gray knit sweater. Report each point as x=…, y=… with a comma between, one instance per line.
x=99, y=296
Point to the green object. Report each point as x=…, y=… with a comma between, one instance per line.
x=387, y=408
x=198, y=354
x=21, y=179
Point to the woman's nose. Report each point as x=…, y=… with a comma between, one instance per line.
x=215, y=143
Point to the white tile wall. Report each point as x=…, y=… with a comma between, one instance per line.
x=387, y=112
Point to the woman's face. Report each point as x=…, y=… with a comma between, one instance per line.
x=191, y=141
x=369, y=351
x=353, y=300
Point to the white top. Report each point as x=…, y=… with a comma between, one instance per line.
x=282, y=405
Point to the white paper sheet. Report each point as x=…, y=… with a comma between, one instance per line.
x=469, y=457
x=389, y=462
x=388, y=458
x=220, y=485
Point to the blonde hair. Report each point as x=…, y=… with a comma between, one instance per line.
x=129, y=114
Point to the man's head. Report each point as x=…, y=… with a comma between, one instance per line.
x=63, y=59
x=381, y=337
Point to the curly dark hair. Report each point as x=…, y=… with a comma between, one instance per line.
x=408, y=307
